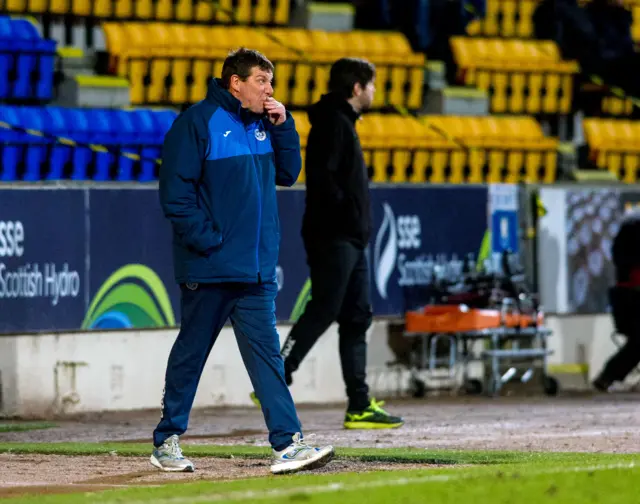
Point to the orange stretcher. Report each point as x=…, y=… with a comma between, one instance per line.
x=459, y=319
x=460, y=325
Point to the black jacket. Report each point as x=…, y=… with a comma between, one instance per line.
x=626, y=246
x=337, y=199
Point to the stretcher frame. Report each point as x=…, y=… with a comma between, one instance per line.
x=463, y=326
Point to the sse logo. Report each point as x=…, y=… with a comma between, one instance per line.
x=11, y=239
x=409, y=232
x=396, y=234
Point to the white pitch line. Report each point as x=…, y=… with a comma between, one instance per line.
x=337, y=487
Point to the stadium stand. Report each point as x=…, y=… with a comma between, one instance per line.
x=171, y=63
x=97, y=144
x=191, y=11
x=26, y=62
x=614, y=145
x=167, y=50
x=453, y=149
x=514, y=19
x=521, y=76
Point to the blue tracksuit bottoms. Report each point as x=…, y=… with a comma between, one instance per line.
x=205, y=309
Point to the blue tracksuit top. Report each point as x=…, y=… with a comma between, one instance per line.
x=220, y=167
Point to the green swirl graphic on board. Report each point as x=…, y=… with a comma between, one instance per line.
x=132, y=297
x=301, y=302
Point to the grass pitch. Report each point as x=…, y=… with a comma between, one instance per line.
x=468, y=476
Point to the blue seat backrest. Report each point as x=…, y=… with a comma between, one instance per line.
x=164, y=119
x=31, y=118
x=55, y=123
x=21, y=28
x=9, y=115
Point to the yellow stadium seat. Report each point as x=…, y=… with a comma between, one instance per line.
x=123, y=8
x=262, y=12
x=242, y=10
x=204, y=11
x=102, y=8
x=16, y=5
x=202, y=72
x=143, y=9
x=184, y=11
x=282, y=10
x=525, y=18
x=60, y=7
x=302, y=126
x=81, y=7
x=508, y=28
x=490, y=23
x=635, y=27
x=200, y=67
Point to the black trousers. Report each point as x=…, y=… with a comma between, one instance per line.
x=339, y=292
x=624, y=303
x=623, y=361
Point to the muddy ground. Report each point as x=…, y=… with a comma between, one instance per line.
x=600, y=423
x=47, y=474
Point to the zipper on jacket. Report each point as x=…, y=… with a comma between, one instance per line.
x=259, y=207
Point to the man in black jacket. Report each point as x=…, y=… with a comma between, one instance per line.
x=335, y=230
x=625, y=302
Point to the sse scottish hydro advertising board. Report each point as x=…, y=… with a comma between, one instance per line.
x=98, y=258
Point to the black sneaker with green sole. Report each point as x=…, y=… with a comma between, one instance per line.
x=373, y=417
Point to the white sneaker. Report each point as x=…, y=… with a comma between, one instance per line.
x=299, y=456
x=168, y=457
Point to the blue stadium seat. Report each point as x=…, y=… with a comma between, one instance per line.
x=23, y=54
x=101, y=133
x=6, y=58
x=128, y=138
x=79, y=131
x=148, y=138
x=36, y=153
x=11, y=146
x=61, y=155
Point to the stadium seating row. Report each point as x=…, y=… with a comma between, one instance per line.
x=26, y=61
x=514, y=19
x=172, y=63
x=506, y=19
x=521, y=76
x=452, y=149
x=35, y=157
x=614, y=145
x=204, y=11
x=397, y=148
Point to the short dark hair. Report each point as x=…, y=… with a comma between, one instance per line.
x=241, y=62
x=347, y=72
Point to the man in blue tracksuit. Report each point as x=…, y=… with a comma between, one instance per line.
x=221, y=161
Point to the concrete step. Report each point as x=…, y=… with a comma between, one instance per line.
x=84, y=90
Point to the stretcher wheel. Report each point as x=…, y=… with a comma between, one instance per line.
x=550, y=385
x=417, y=387
x=473, y=387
